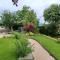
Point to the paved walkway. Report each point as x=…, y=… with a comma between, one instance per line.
x=39, y=53
x=4, y=35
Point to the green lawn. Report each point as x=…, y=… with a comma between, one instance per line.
x=8, y=49
x=51, y=45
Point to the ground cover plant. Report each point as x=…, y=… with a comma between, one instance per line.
x=22, y=47
x=50, y=44
x=13, y=47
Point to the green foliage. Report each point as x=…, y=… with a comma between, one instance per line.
x=26, y=16
x=7, y=19
x=22, y=44
x=42, y=29
x=10, y=20
x=29, y=33
x=13, y=47
x=49, y=29
x=52, y=15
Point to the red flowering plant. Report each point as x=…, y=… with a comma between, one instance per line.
x=29, y=27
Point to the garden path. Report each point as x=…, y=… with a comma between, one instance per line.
x=39, y=53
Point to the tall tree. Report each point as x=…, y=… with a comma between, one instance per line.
x=7, y=19
x=52, y=15
x=27, y=16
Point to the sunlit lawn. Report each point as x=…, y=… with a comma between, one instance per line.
x=51, y=45
x=7, y=49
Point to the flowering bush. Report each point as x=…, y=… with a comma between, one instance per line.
x=29, y=28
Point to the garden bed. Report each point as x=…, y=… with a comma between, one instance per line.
x=13, y=47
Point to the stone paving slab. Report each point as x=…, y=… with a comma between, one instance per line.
x=39, y=52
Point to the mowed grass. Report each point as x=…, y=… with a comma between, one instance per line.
x=8, y=49
x=51, y=45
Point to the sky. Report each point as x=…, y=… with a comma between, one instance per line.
x=37, y=5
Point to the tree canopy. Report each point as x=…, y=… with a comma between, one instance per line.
x=25, y=16
x=52, y=15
